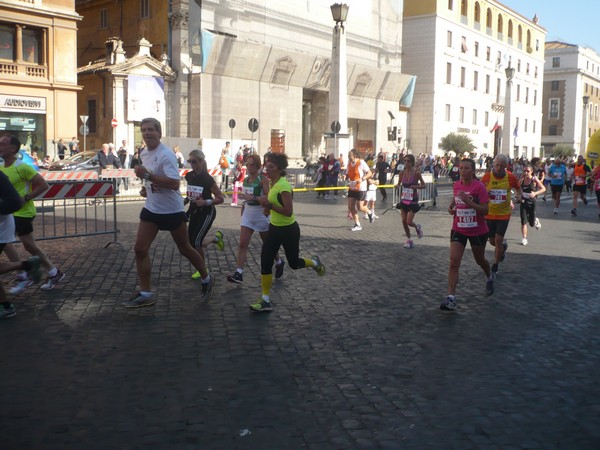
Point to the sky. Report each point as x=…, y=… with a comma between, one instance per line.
x=563, y=21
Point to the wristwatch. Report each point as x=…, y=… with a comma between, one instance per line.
x=147, y=176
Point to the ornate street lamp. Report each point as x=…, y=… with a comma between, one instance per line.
x=338, y=91
x=507, y=133
x=584, y=124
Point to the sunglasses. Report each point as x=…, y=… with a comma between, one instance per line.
x=192, y=161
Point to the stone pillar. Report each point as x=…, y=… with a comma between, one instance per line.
x=338, y=92
x=181, y=63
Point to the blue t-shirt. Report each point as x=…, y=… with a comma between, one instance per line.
x=558, y=175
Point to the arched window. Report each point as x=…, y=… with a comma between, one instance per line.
x=500, y=26
x=488, y=18
x=477, y=13
x=464, y=7
x=510, y=29
x=529, y=49
x=520, y=35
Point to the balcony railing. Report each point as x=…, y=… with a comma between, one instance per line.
x=13, y=69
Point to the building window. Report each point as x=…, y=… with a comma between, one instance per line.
x=553, y=109
x=527, y=69
x=448, y=73
x=144, y=9
x=474, y=117
x=461, y=117
x=450, y=5
x=92, y=115
x=533, y=127
x=103, y=19
x=449, y=39
x=554, y=85
x=526, y=95
x=463, y=76
x=499, y=59
x=477, y=15
x=29, y=39
x=475, y=80
x=535, y=72
x=519, y=65
x=553, y=130
x=556, y=61
x=487, y=84
x=447, y=112
x=486, y=119
x=518, y=92
x=535, y=97
x=476, y=48
x=488, y=54
x=488, y=20
x=463, y=8
x=463, y=45
x=525, y=125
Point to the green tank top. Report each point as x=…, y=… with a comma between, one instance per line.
x=253, y=188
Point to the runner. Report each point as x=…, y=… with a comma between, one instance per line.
x=498, y=183
x=468, y=207
x=581, y=173
x=358, y=174
x=531, y=187
x=596, y=180
x=410, y=180
x=283, y=230
x=557, y=173
x=163, y=210
x=29, y=184
x=253, y=217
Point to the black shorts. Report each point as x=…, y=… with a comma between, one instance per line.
x=2, y=247
x=358, y=195
x=497, y=227
x=414, y=207
x=167, y=222
x=580, y=188
x=23, y=225
x=476, y=241
x=556, y=188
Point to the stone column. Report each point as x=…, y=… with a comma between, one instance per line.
x=181, y=62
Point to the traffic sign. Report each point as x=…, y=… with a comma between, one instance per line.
x=84, y=119
x=232, y=124
x=253, y=125
x=336, y=126
x=84, y=129
x=114, y=123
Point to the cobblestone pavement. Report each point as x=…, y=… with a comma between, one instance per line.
x=362, y=358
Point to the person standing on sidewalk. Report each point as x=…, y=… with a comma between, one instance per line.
x=410, y=181
x=468, y=207
x=382, y=168
x=163, y=210
x=581, y=172
x=499, y=183
x=253, y=218
x=29, y=184
x=531, y=187
x=10, y=201
x=557, y=173
x=283, y=230
x=202, y=195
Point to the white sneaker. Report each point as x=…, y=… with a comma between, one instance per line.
x=20, y=286
x=538, y=224
x=375, y=216
x=356, y=228
x=409, y=244
x=524, y=241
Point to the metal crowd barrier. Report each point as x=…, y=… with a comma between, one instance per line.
x=76, y=209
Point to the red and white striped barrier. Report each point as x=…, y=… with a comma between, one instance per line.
x=69, y=175
x=78, y=190
x=212, y=172
x=118, y=173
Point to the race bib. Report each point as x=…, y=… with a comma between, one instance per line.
x=352, y=185
x=407, y=194
x=498, y=196
x=194, y=192
x=467, y=218
x=579, y=180
x=526, y=195
x=249, y=190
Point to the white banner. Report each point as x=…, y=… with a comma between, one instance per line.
x=145, y=98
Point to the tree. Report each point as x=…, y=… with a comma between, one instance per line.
x=560, y=151
x=458, y=143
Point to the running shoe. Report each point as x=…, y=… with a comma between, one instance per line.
x=585, y=201
x=448, y=305
x=555, y=210
x=34, y=272
x=409, y=244
x=574, y=211
x=375, y=216
x=208, y=289
x=20, y=285
x=419, y=231
x=489, y=287
x=504, y=249
x=538, y=224
x=370, y=218
x=319, y=267
x=524, y=241
x=494, y=270
x=279, y=269
x=52, y=281
x=237, y=278
x=219, y=243
x=261, y=306
x=196, y=275
x=356, y=227
x=138, y=300
x=5, y=313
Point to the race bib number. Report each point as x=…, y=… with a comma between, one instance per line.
x=526, y=195
x=579, y=180
x=467, y=218
x=498, y=196
x=407, y=194
x=194, y=192
x=352, y=185
x=249, y=190
x=557, y=175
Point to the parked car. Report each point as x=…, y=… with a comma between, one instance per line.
x=80, y=161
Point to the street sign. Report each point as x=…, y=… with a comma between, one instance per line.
x=232, y=124
x=84, y=119
x=114, y=123
x=336, y=126
x=84, y=129
x=253, y=125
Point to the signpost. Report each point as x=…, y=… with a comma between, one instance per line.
x=231, y=127
x=253, y=126
x=84, y=130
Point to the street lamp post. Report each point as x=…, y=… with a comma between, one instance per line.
x=584, y=125
x=507, y=133
x=338, y=92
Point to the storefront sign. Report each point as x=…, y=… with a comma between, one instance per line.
x=19, y=103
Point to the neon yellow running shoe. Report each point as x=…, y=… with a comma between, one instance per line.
x=319, y=268
x=196, y=276
x=220, y=243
